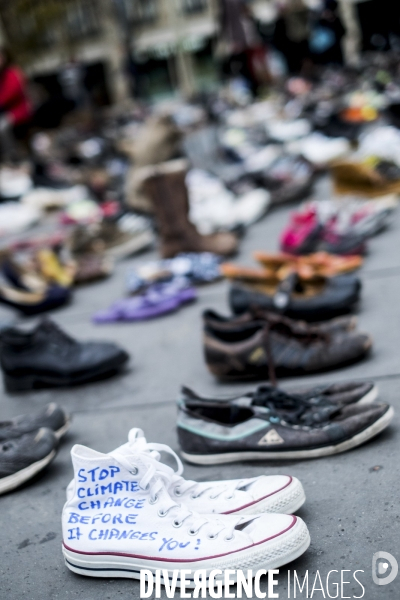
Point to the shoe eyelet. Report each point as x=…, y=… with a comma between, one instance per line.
x=191, y=532
x=153, y=500
x=193, y=496
x=212, y=537
x=177, y=524
x=229, y=539
x=134, y=471
x=177, y=492
x=161, y=513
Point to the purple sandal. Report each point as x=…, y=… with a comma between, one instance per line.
x=159, y=299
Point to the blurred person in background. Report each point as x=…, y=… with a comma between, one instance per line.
x=15, y=107
x=292, y=32
x=327, y=34
x=240, y=44
x=72, y=81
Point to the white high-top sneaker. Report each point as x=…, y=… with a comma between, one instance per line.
x=265, y=494
x=121, y=519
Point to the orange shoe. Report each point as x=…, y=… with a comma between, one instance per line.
x=233, y=271
x=319, y=264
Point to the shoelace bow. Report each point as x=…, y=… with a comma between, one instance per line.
x=156, y=481
x=138, y=443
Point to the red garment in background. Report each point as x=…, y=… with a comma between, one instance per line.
x=13, y=96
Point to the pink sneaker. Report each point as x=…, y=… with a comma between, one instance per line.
x=303, y=233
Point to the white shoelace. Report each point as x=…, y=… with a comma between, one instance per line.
x=153, y=481
x=137, y=442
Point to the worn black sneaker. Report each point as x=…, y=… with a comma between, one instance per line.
x=22, y=458
x=48, y=357
x=51, y=417
x=317, y=398
x=217, y=432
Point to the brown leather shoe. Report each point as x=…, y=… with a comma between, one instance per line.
x=261, y=350
x=165, y=185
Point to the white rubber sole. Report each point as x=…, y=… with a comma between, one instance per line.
x=270, y=555
x=13, y=481
x=284, y=502
x=63, y=430
x=357, y=440
x=370, y=397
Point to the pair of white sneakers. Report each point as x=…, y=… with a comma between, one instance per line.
x=128, y=511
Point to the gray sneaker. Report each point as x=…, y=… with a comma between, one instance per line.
x=22, y=458
x=223, y=432
x=51, y=416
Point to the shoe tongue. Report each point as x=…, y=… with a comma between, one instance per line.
x=136, y=448
x=266, y=395
x=136, y=434
x=295, y=409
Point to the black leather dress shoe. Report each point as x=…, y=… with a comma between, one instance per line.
x=48, y=357
x=332, y=297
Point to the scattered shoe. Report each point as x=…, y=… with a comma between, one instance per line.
x=289, y=178
x=298, y=299
x=319, y=149
x=371, y=178
x=274, y=493
x=340, y=227
x=159, y=299
x=24, y=457
x=47, y=357
x=214, y=208
x=165, y=185
x=216, y=433
x=318, y=398
x=51, y=417
x=128, y=236
x=142, y=526
x=89, y=256
x=286, y=131
x=14, y=182
x=341, y=394
x=214, y=320
x=116, y=239
x=16, y=218
x=274, y=347
x=53, y=269
x=319, y=264
x=33, y=303
x=45, y=198
x=197, y=268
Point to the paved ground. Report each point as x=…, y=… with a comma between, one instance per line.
x=352, y=509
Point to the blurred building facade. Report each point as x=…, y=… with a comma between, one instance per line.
x=164, y=45
x=147, y=48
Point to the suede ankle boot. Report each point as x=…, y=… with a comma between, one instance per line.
x=166, y=186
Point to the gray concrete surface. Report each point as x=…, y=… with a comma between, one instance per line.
x=352, y=509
